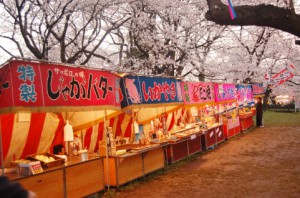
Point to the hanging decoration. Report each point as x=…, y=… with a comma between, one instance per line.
x=231, y=10
x=282, y=76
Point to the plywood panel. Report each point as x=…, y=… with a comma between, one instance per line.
x=85, y=178
x=129, y=168
x=154, y=160
x=48, y=184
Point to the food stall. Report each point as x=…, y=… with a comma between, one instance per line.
x=40, y=102
x=145, y=99
x=227, y=108
x=201, y=130
x=245, y=101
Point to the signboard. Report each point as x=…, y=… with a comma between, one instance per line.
x=244, y=94
x=224, y=92
x=197, y=92
x=43, y=85
x=141, y=90
x=258, y=89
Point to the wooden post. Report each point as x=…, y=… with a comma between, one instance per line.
x=132, y=130
x=107, y=139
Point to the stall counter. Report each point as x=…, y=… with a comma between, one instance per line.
x=231, y=127
x=73, y=179
x=246, y=121
x=213, y=136
x=134, y=164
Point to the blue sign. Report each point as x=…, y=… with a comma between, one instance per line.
x=149, y=90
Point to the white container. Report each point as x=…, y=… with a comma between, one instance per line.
x=83, y=155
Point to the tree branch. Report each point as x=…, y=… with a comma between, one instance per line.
x=260, y=15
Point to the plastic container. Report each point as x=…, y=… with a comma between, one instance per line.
x=83, y=155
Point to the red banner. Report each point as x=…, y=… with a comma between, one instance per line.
x=281, y=77
x=38, y=84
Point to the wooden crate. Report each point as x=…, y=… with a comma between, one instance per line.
x=58, y=161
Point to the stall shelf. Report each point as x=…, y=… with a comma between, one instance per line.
x=137, y=162
x=74, y=179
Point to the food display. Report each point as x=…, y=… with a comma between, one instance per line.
x=47, y=160
x=44, y=158
x=246, y=111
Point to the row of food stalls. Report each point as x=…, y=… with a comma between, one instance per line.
x=114, y=129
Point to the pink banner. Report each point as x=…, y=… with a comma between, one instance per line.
x=224, y=92
x=37, y=84
x=197, y=93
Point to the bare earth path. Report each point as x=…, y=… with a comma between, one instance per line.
x=264, y=162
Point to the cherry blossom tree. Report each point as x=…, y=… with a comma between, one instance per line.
x=71, y=30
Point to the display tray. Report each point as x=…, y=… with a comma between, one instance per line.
x=133, y=147
x=57, y=160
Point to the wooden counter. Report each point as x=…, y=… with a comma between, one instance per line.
x=133, y=165
x=84, y=178
x=48, y=184
x=74, y=179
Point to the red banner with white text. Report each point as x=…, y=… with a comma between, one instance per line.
x=48, y=87
x=282, y=76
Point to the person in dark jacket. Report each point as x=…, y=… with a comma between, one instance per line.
x=12, y=189
x=259, y=113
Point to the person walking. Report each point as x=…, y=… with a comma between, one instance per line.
x=259, y=113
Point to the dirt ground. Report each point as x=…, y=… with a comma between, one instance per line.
x=264, y=162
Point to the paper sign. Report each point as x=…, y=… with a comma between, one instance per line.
x=220, y=134
x=193, y=137
x=35, y=168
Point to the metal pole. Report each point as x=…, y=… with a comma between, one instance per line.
x=1, y=149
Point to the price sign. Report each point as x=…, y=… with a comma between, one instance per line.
x=35, y=168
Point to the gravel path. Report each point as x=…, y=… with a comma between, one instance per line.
x=264, y=162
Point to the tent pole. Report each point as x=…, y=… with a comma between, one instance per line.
x=1, y=149
x=107, y=143
x=165, y=121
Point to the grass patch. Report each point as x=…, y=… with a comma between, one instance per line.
x=277, y=119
